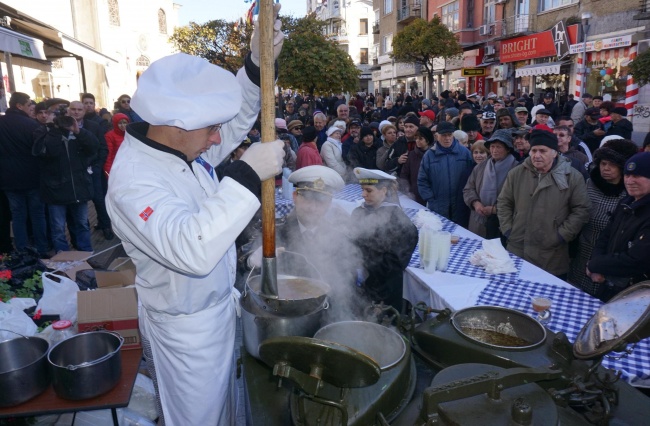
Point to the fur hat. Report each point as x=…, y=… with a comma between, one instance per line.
x=365, y=131
x=469, y=122
x=412, y=119
x=617, y=151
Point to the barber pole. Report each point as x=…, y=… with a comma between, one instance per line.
x=631, y=88
x=579, y=77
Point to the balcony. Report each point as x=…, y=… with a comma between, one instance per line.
x=515, y=25
x=644, y=10
x=340, y=36
x=409, y=12
x=375, y=28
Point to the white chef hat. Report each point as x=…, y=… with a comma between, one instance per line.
x=188, y=92
x=371, y=176
x=317, y=178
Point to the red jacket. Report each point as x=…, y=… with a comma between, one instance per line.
x=308, y=155
x=114, y=139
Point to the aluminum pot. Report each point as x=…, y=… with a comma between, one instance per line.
x=86, y=365
x=24, y=372
x=296, y=295
x=259, y=324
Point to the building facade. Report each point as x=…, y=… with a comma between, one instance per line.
x=74, y=46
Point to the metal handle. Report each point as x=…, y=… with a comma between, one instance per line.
x=102, y=359
x=11, y=331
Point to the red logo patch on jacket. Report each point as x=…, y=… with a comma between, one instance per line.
x=144, y=215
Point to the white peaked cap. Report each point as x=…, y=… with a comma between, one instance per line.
x=186, y=91
x=317, y=178
x=371, y=176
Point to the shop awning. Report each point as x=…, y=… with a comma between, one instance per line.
x=19, y=44
x=539, y=69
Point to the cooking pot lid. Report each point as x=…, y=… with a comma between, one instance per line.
x=624, y=319
x=340, y=365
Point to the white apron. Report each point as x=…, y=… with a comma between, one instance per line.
x=194, y=356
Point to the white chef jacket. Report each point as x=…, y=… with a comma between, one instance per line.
x=178, y=224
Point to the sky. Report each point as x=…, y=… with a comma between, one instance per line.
x=201, y=11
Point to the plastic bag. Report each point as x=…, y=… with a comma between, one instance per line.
x=59, y=297
x=13, y=318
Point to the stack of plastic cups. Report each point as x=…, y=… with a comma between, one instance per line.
x=435, y=247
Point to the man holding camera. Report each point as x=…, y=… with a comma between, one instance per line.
x=65, y=153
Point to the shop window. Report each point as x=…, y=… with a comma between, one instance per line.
x=388, y=6
x=113, y=13
x=552, y=4
x=608, y=76
x=387, y=44
x=363, y=55
x=162, y=22
x=450, y=16
x=363, y=27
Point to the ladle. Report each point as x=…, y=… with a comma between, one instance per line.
x=266, y=17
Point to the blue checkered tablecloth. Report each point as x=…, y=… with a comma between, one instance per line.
x=571, y=310
x=350, y=192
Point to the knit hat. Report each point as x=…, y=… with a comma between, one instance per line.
x=382, y=124
x=294, y=123
x=504, y=111
x=453, y=112
x=617, y=151
x=501, y=135
x=333, y=129
x=543, y=137
x=469, y=122
x=445, y=128
x=411, y=119
x=620, y=110
x=638, y=165
x=309, y=133
x=426, y=133
x=365, y=131
x=281, y=124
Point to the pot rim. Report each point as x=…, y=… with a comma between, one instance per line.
x=87, y=363
x=39, y=359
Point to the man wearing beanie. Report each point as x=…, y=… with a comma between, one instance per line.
x=621, y=126
x=470, y=125
x=543, y=206
x=409, y=175
x=621, y=256
x=308, y=154
x=398, y=152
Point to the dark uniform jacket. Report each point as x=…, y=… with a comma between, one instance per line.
x=64, y=163
x=387, y=239
x=622, y=251
x=19, y=170
x=623, y=129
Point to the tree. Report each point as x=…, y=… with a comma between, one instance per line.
x=222, y=43
x=640, y=68
x=311, y=63
x=422, y=41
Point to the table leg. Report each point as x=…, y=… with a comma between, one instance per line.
x=114, y=414
x=74, y=416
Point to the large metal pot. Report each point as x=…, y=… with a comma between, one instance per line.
x=296, y=295
x=86, y=365
x=24, y=372
x=260, y=324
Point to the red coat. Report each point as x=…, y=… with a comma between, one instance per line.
x=114, y=139
x=308, y=155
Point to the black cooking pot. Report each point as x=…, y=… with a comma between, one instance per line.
x=86, y=365
x=24, y=372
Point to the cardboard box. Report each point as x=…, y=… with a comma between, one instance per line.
x=120, y=273
x=68, y=263
x=114, y=309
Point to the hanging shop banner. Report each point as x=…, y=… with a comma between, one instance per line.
x=480, y=85
x=561, y=40
x=473, y=72
x=602, y=44
x=540, y=45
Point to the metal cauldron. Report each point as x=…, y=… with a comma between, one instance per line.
x=487, y=325
x=296, y=295
x=24, y=372
x=86, y=365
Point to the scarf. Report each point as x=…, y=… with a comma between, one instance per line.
x=494, y=175
x=337, y=144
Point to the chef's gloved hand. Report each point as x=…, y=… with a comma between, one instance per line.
x=265, y=158
x=278, y=37
x=255, y=259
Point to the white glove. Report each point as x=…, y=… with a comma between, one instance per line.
x=265, y=158
x=278, y=37
x=255, y=259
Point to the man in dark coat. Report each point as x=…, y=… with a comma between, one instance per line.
x=65, y=153
x=551, y=106
x=621, y=126
x=621, y=256
x=584, y=130
x=19, y=173
x=364, y=153
x=88, y=100
x=398, y=152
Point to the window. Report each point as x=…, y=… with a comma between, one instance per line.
x=363, y=55
x=552, y=4
x=489, y=12
x=113, y=13
x=388, y=7
x=142, y=62
x=450, y=16
x=387, y=44
x=363, y=27
x=162, y=22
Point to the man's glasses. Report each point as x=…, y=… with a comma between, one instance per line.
x=298, y=128
x=125, y=101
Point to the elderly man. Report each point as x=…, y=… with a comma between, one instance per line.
x=578, y=110
x=488, y=121
x=543, y=206
x=343, y=112
x=179, y=223
x=520, y=142
x=320, y=121
x=440, y=172
x=621, y=256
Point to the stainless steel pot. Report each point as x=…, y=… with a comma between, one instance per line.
x=296, y=295
x=259, y=324
x=86, y=365
x=24, y=372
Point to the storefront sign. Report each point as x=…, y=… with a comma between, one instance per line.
x=386, y=71
x=454, y=63
x=561, y=40
x=480, y=85
x=603, y=44
x=438, y=64
x=473, y=72
x=538, y=45
x=365, y=77
x=406, y=69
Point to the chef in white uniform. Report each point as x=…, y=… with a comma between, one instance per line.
x=179, y=223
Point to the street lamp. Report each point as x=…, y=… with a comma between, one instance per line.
x=586, y=16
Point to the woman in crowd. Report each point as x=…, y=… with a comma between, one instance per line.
x=410, y=169
x=462, y=138
x=605, y=189
x=479, y=152
x=364, y=153
x=114, y=139
x=485, y=183
x=385, y=236
x=332, y=151
x=389, y=133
